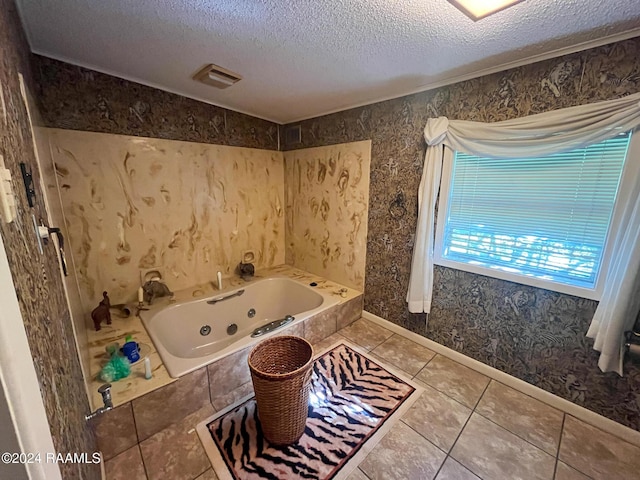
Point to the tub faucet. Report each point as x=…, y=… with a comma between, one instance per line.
x=154, y=288
x=246, y=270
x=105, y=391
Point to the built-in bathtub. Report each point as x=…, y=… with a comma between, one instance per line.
x=189, y=335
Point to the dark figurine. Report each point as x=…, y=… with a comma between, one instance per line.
x=101, y=312
x=246, y=270
x=155, y=289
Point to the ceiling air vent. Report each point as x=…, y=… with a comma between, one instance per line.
x=216, y=76
x=293, y=135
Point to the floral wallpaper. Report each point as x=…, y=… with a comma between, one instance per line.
x=36, y=277
x=533, y=334
x=76, y=98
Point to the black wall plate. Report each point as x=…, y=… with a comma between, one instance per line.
x=27, y=177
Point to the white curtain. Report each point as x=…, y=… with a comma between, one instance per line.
x=620, y=300
x=541, y=134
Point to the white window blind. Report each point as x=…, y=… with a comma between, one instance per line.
x=543, y=217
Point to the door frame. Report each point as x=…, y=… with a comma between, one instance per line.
x=20, y=382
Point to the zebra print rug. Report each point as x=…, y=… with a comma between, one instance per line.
x=353, y=401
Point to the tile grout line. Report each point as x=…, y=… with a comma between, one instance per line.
x=372, y=348
x=209, y=386
x=207, y=468
x=465, y=426
x=558, y=455
x=555, y=467
x=425, y=366
x=480, y=397
x=440, y=391
x=590, y=417
x=440, y=467
x=144, y=465
x=484, y=390
x=363, y=472
x=393, y=334
x=384, y=341
x=414, y=430
x=508, y=430
x=474, y=410
x=415, y=377
x=467, y=421
x=564, y=418
x=515, y=434
x=400, y=369
x=428, y=361
x=135, y=423
x=530, y=396
x=456, y=441
x=135, y=426
x=446, y=454
x=409, y=374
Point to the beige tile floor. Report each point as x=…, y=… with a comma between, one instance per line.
x=464, y=426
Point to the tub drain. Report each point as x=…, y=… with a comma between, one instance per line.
x=205, y=330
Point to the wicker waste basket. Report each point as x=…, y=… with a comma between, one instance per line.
x=281, y=373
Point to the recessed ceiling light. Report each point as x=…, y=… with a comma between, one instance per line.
x=478, y=9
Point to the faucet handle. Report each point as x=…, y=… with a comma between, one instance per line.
x=105, y=391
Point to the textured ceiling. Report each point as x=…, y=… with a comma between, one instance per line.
x=303, y=58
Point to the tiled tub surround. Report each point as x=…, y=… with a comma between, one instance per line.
x=465, y=426
x=327, y=205
x=130, y=203
x=230, y=373
x=191, y=398
x=133, y=203
x=47, y=168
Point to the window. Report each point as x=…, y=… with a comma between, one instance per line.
x=542, y=221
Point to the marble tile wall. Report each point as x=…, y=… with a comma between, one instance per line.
x=77, y=98
x=327, y=199
x=36, y=277
x=533, y=334
x=76, y=309
x=135, y=203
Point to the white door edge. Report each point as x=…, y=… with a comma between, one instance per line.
x=20, y=383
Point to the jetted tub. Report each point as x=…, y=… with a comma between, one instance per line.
x=192, y=334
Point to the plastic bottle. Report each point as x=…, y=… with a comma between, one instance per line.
x=147, y=368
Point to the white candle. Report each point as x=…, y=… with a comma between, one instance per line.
x=140, y=295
